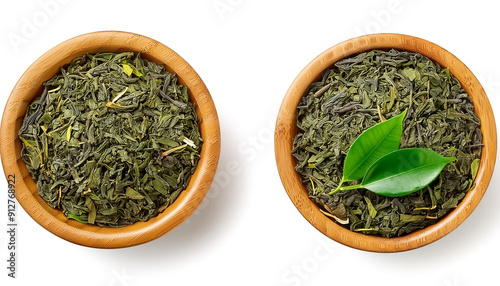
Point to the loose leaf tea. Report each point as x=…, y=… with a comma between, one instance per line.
x=363, y=90
x=403, y=172
x=112, y=140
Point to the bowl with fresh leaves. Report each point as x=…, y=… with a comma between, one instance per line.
x=385, y=142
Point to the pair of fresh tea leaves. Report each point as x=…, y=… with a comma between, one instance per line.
x=385, y=170
x=112, y=140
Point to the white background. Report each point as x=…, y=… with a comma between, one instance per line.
x=247, y=231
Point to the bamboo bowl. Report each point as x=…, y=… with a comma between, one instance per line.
x=29, y=86
x=286, y=129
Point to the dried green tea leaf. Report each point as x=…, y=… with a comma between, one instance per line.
x=411, y=74
x=411, y=218
x=371, y=210
x=474, y=166
x=137, y=72
x=92, y=210
x=127, y=69
x=68, y=133
x=133, y=194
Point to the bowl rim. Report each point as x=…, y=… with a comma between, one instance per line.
x=286, y=129
x=29, y=86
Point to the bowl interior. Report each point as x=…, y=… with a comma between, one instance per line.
x=29, y=87
x=286, y=129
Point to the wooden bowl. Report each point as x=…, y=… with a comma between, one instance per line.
x=286, y=129
x=29, y=86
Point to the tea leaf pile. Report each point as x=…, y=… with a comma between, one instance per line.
x=112, y=140
x=360, y=91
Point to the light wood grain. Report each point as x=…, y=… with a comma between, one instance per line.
x=286, y=129
x=29, y=86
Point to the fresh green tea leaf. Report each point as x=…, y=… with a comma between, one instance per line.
x=403, y=172
x=371, y=145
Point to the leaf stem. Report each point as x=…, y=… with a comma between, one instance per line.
x=166, y=153
x=352, y=187
x=338, y=188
